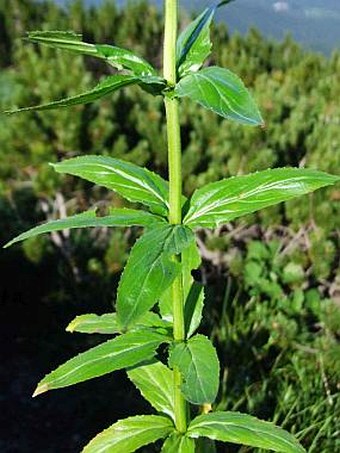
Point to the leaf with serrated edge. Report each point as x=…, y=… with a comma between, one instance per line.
x=132, y=182
x=108, y=324
x=89, y=219
x=155, y=382
x=150, y=270
x=104, y=88
x=115, y=56
x=124, y=351
x=220, y=202
x=198, y=363
x=177, y=443
x=243, y=429
x=221, y=91
x=128, y=435
x=194, y=44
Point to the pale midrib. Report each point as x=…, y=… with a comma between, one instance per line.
x=135, y=301
x=138, y=263
x=272, y=442
x=195, y=367
x=221, y=97
x=146, y=188
x=258, y=190
x=114, y=354
x=130, y=434
x=164, y=392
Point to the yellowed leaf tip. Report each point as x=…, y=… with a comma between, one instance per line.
x=40, y=389
x=72, y=326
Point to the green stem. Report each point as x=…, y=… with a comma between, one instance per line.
x=175, y=193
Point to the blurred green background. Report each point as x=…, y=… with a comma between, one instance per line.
x=273, y=280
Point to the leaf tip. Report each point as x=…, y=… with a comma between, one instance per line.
x=72, y=326
x=42, y=388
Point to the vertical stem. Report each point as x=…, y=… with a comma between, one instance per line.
x=175, y=192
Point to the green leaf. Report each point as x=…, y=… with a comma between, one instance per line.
x=152, y=84
x=92, y=323
x=115, y=56
x=243, y=429
x=104, y=88
x=180, y=239
x=177, y=443
x=220, y=202
x=108, y=323
x=124, y=351
x=128, y=435
x=221, y=91
x=152, y=320
x=150, y=270
x=155, y=382
x=134, y=183
x=117, y=217
x=193, y=292
x=194, y=44
x=198, y=363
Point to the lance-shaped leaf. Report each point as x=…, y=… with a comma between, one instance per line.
x=155, y=382
x=115, y=56
x=194, y=44
x=198, y=363
x=124, y=351
x=243, y=429
x=92, y=323
x=220, y=202
x=108, y=323
x=177, y=443
x=128, y=435
x=116, y=218
x=150, y=270
x=221, y=91
x=193, y=292
x=132, y=182
x=104, y=88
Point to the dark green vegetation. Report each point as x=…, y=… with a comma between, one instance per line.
x=276, y=313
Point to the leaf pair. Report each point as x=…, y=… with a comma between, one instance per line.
x=134, y=432
x=155, y=383
x=142, y=73
x=214, y=88
x=210, y=206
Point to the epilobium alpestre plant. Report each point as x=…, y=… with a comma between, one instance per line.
x=158, y=271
